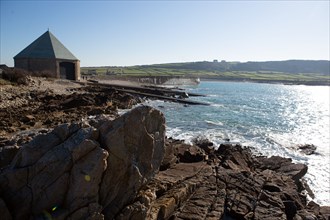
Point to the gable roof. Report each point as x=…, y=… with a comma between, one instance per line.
x=46, y=46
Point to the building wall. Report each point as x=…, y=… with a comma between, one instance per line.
x=49, y=66
x=21, y=64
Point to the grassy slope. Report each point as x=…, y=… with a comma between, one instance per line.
x=207, y=70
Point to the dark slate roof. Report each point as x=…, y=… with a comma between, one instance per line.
x=46, y=46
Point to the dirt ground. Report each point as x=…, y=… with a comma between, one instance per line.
x=45, y=103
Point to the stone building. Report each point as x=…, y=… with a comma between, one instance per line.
x=48, y=55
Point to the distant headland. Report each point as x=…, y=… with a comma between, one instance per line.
x=306, y=72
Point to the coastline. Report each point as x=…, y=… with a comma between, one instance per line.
x=231, y=161
x=281, y=82
x=274, y=119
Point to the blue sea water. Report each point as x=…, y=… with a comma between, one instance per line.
x=274, y=119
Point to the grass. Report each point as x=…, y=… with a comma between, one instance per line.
x=177, y=70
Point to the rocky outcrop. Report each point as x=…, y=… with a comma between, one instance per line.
x=229, y=183
x=307, y=149
x=28, y=108
x=82, y=172
x=124, y=169
x=135, y=143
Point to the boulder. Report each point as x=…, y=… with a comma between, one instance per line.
x=169, y=157
x=307, y=149
x=77, y=171
x=236, y=157
x=204, y=143
x=7, y=153
x=5, y=214
x=135, y=142
x=282, y=165
x=57, y=174
x=189, y=153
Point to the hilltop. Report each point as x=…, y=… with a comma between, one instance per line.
x=310, y=72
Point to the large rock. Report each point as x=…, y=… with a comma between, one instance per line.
x=5, y=214
x=282, y=165
x=135, y=143
x=57, y=173
x=82, y=172
x=235, y=185
x=7, y=154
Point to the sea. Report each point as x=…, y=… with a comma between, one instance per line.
x=273, y=119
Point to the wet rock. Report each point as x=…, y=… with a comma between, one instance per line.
x=283, y=165
x=205, y=144
x=307, y=149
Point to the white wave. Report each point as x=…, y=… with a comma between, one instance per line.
x=214, y=123
x=217, y=105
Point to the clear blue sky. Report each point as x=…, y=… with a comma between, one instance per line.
x=123, y=33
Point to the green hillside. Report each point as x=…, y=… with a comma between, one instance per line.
x=291, y=71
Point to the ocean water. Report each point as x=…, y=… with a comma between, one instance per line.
x=274, y=119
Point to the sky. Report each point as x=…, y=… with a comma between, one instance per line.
x=125, y=33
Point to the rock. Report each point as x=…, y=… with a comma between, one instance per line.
x=135, y=143
x=27, y=118
x=76, y=100
x=235, y=186
x=72, y=160
x=31, y=152
x=204, y=143
x=120, y=168
x=183, y=95
x=235, y=157
x=325, y=212
x=295, y=171
x=307, y=149
x=283, y=165
x=169, y=158
x=305, y=215
x=67, y=161
x=5, y=214
x=183, y=186
x=273, y=162
x=90, y=212
x=85, y=178
x=189, y=154
x=7, y=154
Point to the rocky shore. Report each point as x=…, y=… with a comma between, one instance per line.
x=46, y=103
x=90, y=163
